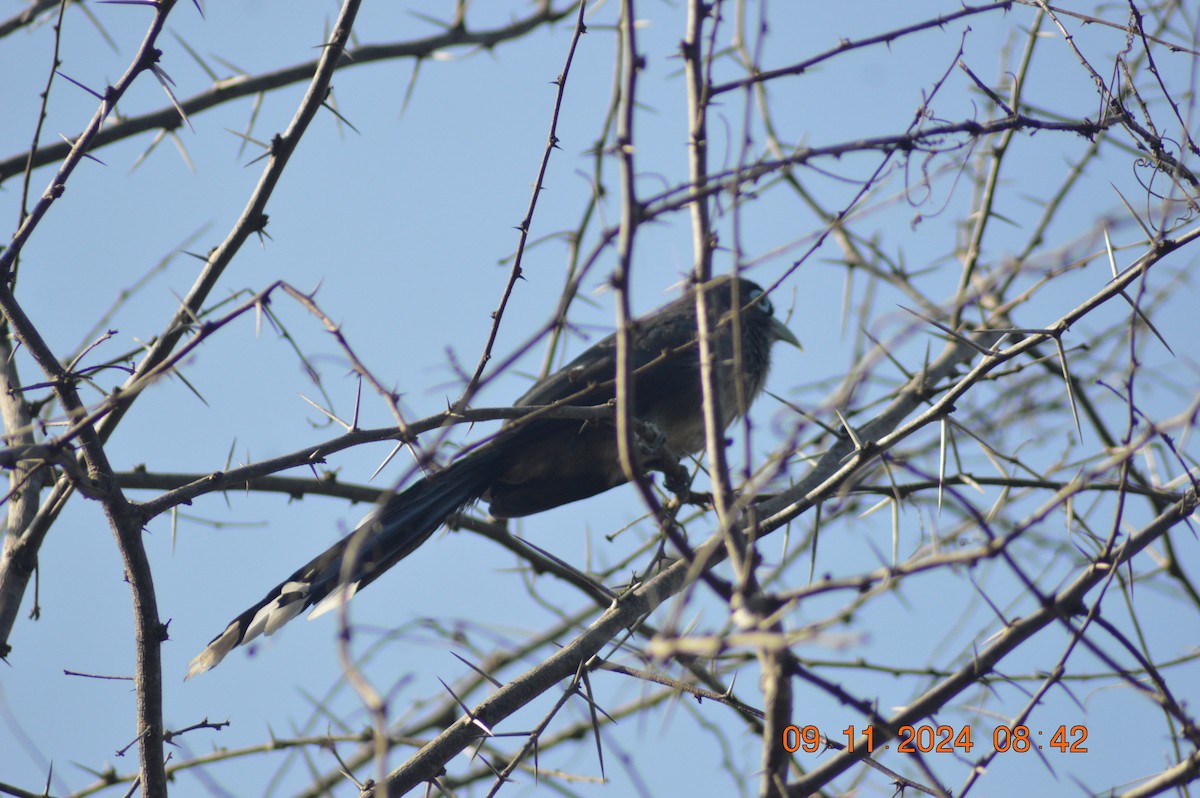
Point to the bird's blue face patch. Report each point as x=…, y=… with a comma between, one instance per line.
x=765, y=304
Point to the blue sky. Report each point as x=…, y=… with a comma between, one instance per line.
x=404, y=228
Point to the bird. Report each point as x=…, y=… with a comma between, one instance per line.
x=541, y=462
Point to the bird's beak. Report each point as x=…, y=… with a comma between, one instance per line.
x=782, y=333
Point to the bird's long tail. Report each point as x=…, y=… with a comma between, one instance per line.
x=387, y=535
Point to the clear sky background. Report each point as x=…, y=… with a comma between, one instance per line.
x=404, y=227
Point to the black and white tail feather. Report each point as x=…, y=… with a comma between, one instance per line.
x=387, y=535
x=540, y=464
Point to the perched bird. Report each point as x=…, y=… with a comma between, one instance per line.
x=538, y=463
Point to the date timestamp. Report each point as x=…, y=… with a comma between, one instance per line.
x=943, y=739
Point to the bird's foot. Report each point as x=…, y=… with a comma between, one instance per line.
x=651, y=442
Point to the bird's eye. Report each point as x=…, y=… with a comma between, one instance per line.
x=764, y=305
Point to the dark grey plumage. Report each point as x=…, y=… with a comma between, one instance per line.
x=539, y=463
